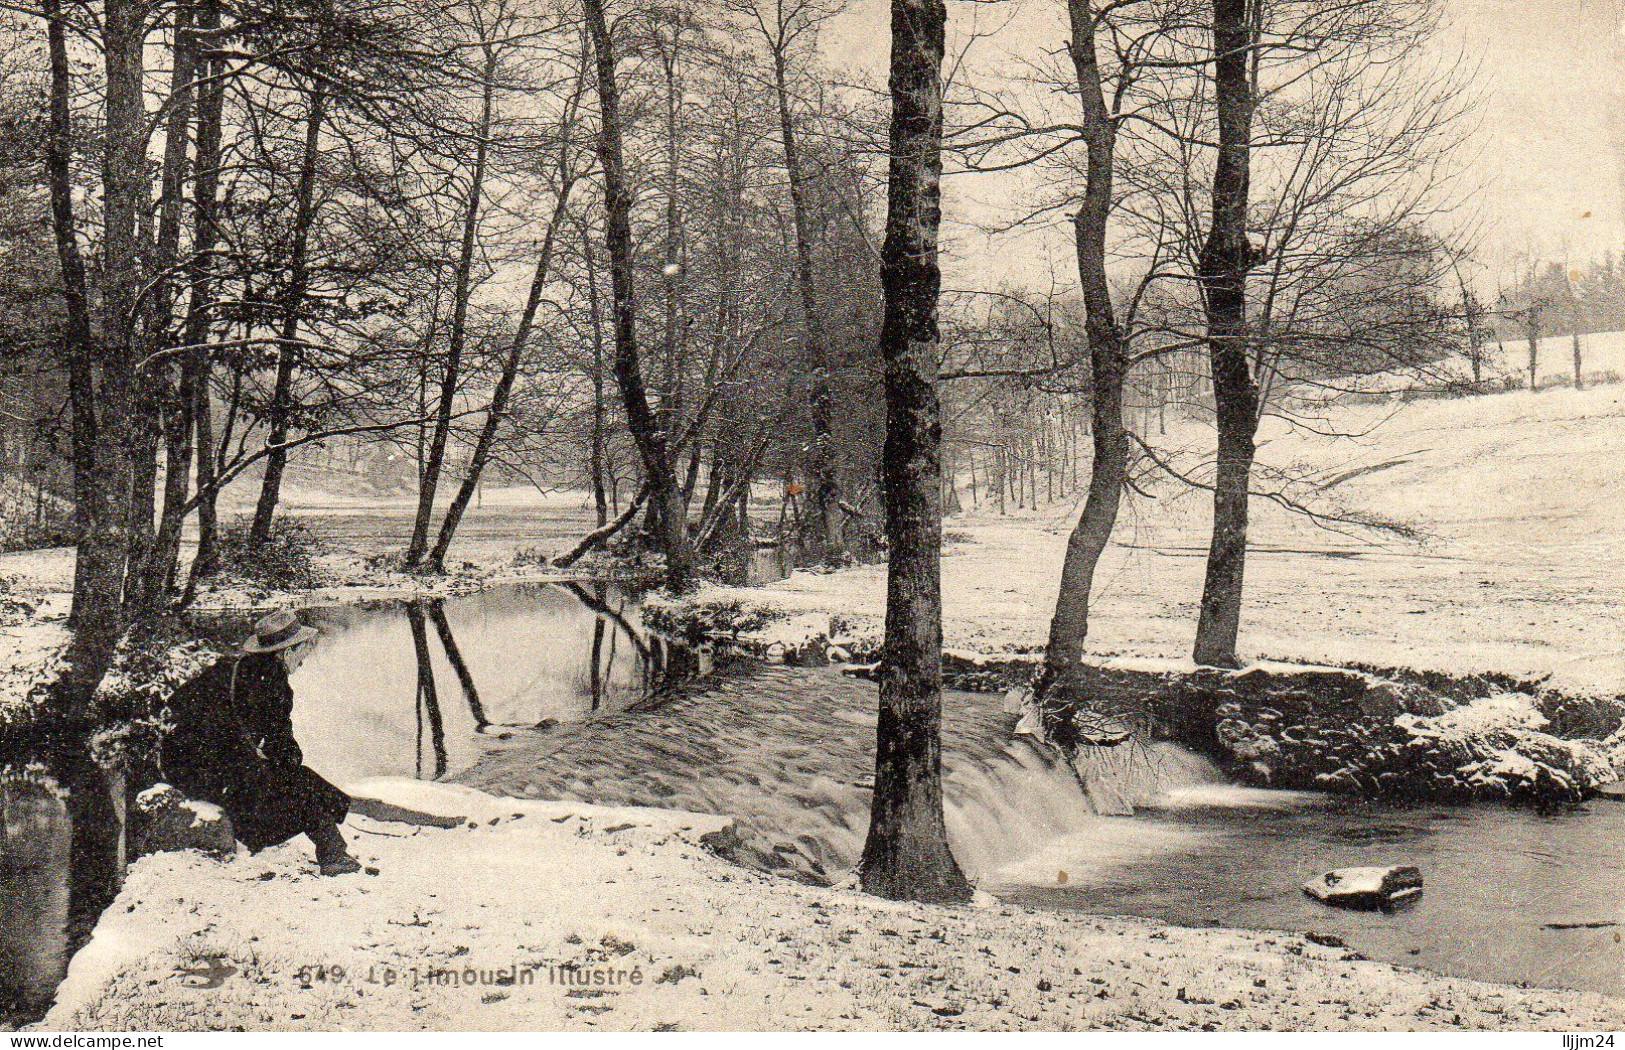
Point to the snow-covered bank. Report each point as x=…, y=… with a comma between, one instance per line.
x=1516, y=496
x=561, y=915
x=33, y=631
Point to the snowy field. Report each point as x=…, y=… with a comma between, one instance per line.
x=1506, y=364
x=1515, y=498
x=1602, y=356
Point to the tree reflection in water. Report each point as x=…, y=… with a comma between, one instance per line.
x=654, y=662
x=428, y=696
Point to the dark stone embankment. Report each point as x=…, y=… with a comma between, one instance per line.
x=1373, y=733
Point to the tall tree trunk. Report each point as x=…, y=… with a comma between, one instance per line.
x=293, y=302
x=670, y=408
x=199, y=322
x=1108, y=363
x=823, y=495
x=456, y=336
x=104, y=545
x=652, y=439
x=1472, y=312
x=1533, y=323
x=206, y=559
x=717, y=480
x=691, y=478
x=149, y=586
x=79, y=351
x=950, y=483
x=1226, y=257
x=596, y=319
x=906, y=856
x=504, y=388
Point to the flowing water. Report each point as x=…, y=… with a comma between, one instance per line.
x=559, y=692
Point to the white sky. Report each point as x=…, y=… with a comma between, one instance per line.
x=1549, y=148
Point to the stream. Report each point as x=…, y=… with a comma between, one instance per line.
x=560, y=692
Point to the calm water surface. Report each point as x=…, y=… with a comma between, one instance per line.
x=425, y=688
x=1499, y=883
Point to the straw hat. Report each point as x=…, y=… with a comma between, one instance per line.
x=278, y=631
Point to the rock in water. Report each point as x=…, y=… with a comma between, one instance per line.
x=1614, y=791
x=1373, y=887
x=171, y=821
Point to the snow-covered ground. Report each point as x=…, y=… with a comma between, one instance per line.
x=1516, y=498
x=473, y=928
x=1506, y=365
x=33, y=622
x=1602, y=356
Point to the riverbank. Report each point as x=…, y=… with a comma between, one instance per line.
x=36, y=593
x=1510, y=505
x=532, y=888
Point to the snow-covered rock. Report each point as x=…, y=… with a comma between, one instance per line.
x=171, y=821
x=1370, y=887
x=1375, y=734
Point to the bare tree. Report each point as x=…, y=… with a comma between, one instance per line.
x=655, y=445
x=292, y=306
x=788, y=30
x=907, y=855
x=564, y=171
x=462, y=294
x=196, y=369
x=1227, y=256
x=1326, y=138
x=105, y=412
x=1108, y=357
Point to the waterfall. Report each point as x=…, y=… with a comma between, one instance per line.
x=1007, y=805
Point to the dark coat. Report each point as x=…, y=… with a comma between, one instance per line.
x=232, y=745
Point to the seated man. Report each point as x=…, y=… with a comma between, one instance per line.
x=232, y=744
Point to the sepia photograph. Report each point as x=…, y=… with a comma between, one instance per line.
x=1009, y=516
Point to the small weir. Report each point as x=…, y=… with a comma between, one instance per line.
x=789, y=751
